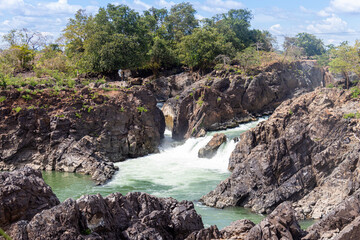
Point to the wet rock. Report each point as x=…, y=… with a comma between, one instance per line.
x=84, y=131
x=23, y=194
x=306, y=153
x=212, y=146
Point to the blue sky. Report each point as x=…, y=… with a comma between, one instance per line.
x=333, y=21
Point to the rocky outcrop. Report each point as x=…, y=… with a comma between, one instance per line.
x=82, y=131
x=205, y=109
x=307, y=152
x=212, y=146
x=280, y=224
x=233, y=98
x=29, y=210
x=341, y=223
x=22, y=195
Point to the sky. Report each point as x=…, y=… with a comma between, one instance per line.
x=333, y=21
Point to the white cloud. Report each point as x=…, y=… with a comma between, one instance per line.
x=165, y=4
x=349, y=6
x=140, y=3
x=11, y=4
x=218, y=6
x=276, y=29
x=198, y=16
x=331, y=24
x=305, y=10
x=228, y=4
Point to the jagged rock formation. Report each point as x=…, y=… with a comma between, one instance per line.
x=224, y=99
x=134, y=216
x=212, y=146
x=23, y=194
x=280, y=224
x=307, y=152
x=82, y=131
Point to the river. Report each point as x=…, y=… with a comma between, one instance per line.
x=175, y=171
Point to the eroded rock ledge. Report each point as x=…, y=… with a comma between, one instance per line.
x=78, y=130
x=307, y=152
x=224, y=99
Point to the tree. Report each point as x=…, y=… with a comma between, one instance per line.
x=199, y=49
x=234, y=25
x=291, y=49
x=312, y=46
x=346, y=60
x=20, y=37
x=181, y=21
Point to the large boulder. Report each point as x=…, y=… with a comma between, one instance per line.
x=82, y=131
x=212, y=146
x=307, y=152
x=23, y=193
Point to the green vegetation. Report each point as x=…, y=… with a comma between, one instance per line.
x=2, y=99
x=355, y=92
x=352, y=115
x=26, y=97
x=291, y=112
x=17, y=109
x=141, y=109
x=3, y=234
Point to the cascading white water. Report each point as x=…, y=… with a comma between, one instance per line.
x=176, y=171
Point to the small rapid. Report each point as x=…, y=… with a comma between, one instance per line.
x=176, y=171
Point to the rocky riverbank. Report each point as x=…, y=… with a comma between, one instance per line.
x=30, y=210
x=225, y=98
x=307, y=152
x=77, y=130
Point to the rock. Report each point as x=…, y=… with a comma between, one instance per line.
x=212, y=146
x=280, y=224
x=23, y=194
x=234, y=99
x=204, y=109
x=29, y=210
x=341, y=223
x=238, y=229
x=306, y=153
x=205, y=234
x=82, y=131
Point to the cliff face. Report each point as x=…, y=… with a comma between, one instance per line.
x=224, y=99
x=81, y=131
x=307, y=152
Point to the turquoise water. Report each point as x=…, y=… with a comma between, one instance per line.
x=174, y=172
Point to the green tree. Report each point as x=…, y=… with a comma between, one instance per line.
x=199, y=49
x=345, y=59
x=181, y=21
x=312, y=46
x=234, y=26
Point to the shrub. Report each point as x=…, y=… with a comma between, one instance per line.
x=141, y=109
x=17, y=109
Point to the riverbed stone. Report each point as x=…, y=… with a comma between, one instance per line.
x=212, y=146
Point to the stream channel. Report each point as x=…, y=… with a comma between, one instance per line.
x=175, y=171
